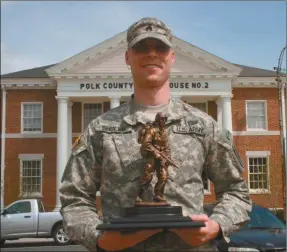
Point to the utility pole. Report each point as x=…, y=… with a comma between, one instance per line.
x=281, y=84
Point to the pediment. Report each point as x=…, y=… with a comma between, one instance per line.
x=108, y=58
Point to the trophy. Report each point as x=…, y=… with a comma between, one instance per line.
x=157, y=213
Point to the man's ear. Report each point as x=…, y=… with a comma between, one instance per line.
x=127, y=58
x=172, y=57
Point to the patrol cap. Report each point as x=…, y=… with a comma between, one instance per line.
x=148, y=27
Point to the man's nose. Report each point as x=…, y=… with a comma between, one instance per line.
x=151, y=51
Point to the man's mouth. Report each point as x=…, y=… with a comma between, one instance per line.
x=152, y=66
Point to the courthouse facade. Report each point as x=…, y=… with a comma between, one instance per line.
x=44, y=109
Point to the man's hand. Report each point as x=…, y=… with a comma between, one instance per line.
x=112, y=240
x=198, y=236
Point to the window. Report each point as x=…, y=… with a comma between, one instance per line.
x=258, y=174
x=31, y=177
x=256, y=118
x=200, y=105
x=19, y=207
x=32, y=117
x=91, y=111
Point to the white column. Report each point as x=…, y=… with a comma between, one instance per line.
x=3, y=138
x=115, y=101
x=219, y=111
x=62, y=144
x=70, y=127
x=226, y=113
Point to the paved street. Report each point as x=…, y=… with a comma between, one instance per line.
x=38, y=245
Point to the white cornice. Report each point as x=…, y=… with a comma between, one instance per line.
x=29, y=83
x=255, y=82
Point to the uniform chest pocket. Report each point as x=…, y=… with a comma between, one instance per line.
x=123, y=160
x=188, y=150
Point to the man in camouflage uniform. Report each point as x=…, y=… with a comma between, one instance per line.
x=108, y=159
x=155, y=141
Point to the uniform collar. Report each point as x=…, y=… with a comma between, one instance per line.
x=174, y=111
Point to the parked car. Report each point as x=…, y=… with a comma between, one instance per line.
x=264, y=232
x=27, y=219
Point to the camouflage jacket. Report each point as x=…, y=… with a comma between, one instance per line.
x=107, y=159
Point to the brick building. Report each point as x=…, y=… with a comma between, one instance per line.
x=44, y=109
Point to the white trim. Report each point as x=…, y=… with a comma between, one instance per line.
x=257, y=154
x=42, y=115
x=266, y=116
x=257, y=133
x=31, y=156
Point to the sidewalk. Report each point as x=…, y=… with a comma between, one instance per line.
x=30, y=240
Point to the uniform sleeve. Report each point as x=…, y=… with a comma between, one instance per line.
x=80, y=183
x=224, y=168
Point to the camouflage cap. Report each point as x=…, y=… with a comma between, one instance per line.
x=148, y=28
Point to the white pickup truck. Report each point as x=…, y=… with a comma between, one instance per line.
x=27, y=219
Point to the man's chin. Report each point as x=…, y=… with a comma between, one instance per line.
x=154, y=81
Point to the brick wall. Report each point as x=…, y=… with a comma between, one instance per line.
x=14, y=99
x=16, y=146
x=260, y=143
x=48, y=146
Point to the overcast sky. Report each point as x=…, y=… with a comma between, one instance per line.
x=39, y=33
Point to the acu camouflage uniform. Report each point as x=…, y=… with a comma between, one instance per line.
x=108, y=159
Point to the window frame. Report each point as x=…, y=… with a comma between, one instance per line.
x=22, y=118
x=259, y=154
x=205, y=102
x=265, y=111
x=83, y=111
x=31, y=157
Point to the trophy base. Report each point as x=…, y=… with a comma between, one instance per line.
x=150, y=215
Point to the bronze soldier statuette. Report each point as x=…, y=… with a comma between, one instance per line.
x=155, y=149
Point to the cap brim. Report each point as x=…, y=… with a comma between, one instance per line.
x=141, y=37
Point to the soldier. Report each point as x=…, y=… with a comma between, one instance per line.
x=154, y=142
x=108, y=158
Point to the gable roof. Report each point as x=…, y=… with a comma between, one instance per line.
x=248, y=71
x=39, y=72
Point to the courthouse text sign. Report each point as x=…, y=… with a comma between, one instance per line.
x=85, y=86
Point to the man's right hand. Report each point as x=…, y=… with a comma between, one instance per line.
x=113, y=240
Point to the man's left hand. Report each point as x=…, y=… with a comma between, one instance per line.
x=198, y=236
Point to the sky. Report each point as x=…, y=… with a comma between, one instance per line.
x=39, y=33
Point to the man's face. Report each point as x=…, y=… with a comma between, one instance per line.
x=150, y=61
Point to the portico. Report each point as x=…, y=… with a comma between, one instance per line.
x=101, y=73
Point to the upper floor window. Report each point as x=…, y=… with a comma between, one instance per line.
x=256, y=115
x=32, y=117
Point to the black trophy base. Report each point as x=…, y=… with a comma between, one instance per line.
x=150, y=216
